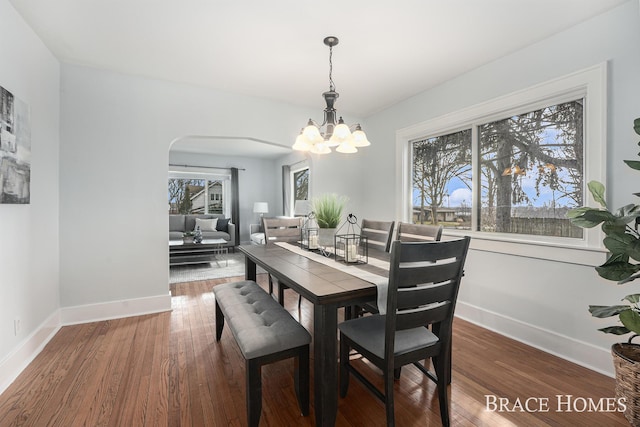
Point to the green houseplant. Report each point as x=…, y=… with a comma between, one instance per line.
x=328, y=210
x=623, y=243
x=622, y=240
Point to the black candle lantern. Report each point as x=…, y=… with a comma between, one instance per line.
x=350, y=246
x=309, y=233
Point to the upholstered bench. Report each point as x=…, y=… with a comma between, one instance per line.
x=265, y=333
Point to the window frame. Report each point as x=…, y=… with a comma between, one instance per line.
x=207, y=175
x=292, y=185
x=590, y=84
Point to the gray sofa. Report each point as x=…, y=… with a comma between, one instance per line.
x=178, y=224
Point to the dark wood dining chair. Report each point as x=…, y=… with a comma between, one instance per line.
x=418, y=232
x=281, y=230
x=379, y=233
x=423, y=288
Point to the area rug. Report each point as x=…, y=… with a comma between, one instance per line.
x=213, y=270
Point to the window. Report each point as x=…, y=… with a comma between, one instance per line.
x=192, y=193
x=300, y=191
x=531, y=171
x=509, y=169
x=530, y=174
x=441, y=175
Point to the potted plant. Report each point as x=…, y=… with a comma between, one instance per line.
x=328, y=211
x=188, y=236
x=622, y=240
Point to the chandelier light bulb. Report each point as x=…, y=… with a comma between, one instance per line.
x=311, y=133
x=360, y=138
x=341, y=133
x=347, y=148
x=320, y=148
x=301, y=144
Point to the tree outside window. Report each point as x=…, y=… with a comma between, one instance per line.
x=301, y=185
x=195, y=196
x=442, y=180
x=530, y=172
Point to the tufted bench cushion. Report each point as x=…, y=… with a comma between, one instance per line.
x=265, y=333
x=259, y=324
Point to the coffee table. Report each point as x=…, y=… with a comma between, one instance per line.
x=209, y=250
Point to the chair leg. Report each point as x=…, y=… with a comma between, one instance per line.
x=396, y=373
x=440, y=367
x=301, y=379
x=219, y=322
x=270, y=285
x=388, y=394
x=299, y=301
x=254, y=392
x=344, y=367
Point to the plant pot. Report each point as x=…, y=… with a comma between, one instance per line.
x=326, y=237
x=187, y=239
x=626, y=361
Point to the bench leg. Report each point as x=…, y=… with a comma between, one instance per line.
x=301, y=379
x=254, y=392
x=219, y=322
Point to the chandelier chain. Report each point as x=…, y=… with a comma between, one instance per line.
x=331, y=85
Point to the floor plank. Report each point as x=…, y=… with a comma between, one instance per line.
x=167, y=370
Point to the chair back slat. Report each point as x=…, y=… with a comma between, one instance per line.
x=418, y=232
x=378, y=233
x=424, y=295
x=423, y=316
x=435, y=273
x=281, y=229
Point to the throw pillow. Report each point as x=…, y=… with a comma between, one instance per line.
x=223, y=224
x=206, y=224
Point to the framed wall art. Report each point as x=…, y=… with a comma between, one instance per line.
x=15, y=149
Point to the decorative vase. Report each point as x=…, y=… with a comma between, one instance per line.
x=326, y=237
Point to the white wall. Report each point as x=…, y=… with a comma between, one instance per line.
x=258, y=182
x=29, y=240
x=115, y=136
x=542, y=302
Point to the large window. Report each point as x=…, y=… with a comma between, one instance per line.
x=531, y=171
x=530, y=174
x=511, y=168
x=197, y=195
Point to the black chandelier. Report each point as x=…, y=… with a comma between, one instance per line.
x=320, y=139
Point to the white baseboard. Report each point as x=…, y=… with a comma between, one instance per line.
x=115, y=309
x=578, y=352
x=27, y=350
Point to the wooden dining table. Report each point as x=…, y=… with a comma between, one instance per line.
x=328, y=289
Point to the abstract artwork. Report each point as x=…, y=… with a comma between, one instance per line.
x=15, y=150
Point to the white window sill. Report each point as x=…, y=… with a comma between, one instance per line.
x=560, y=250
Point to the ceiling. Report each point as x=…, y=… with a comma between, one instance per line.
x=388, y=51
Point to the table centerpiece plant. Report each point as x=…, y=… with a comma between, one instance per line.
x=328, y=210
x=622, y=240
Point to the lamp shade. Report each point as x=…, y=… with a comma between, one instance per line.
x=260, y=207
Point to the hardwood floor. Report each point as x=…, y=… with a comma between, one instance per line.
x=167, y=370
